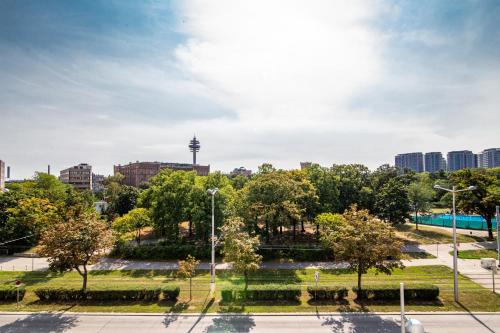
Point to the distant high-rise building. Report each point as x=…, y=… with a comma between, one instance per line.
x=2, y=176
x=98, y=183
x=460, y=159
x=412, y=161
x=434, y=162
x=489, y=158
x=79, y=176
x=241, y=171
x=305, y=165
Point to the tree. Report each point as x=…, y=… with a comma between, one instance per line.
x=239, y=248
x=135, y=220
x=187, y=269
x=484, y=198
x=420, y=196
x=30, y=217
x=327, y=185
x=169, y=200
x=362, y=240
x=391, y=202
x=124, y=201
x=354, y=186
x=75, y=243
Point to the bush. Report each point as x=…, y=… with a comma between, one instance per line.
x=170, y=292
x=164, y=251
x=415, y=292
x=327, y=293
x=266, y=292
x=9, y=292
x=54, y=294
x=160, y=251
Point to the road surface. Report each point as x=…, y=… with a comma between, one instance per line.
x=291, y=323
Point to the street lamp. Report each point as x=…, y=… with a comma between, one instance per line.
x=212, y=192
x=453, y=191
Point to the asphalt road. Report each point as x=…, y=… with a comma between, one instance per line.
x=292, y=323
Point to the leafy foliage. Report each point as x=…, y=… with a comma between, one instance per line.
x=133, y=221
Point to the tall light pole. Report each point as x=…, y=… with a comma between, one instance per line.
x=212, y=192
x=498, y=234
x=454, y=191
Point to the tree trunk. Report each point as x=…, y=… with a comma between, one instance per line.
x=190, y=288
x=139, y=236
x=294, y=229
x=302, y=226
x=267, y=232
x=416, y=219
x=359, y=278
x=245, y=275
x=84, y=276
x=190, y=228
x=281, y=230
x=490, y=226
x=317, y=231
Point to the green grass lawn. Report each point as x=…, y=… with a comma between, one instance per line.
x=476, y=254
x=430, y=235
x=473, y=297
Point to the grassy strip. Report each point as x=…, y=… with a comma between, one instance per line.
x=476, y=254
x=473, y=297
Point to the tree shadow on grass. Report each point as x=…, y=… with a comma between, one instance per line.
x=35, y=277
x=230, y=323
x=361, y=324
x=41, y=323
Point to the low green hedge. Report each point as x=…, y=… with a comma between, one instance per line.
x=327, y=293
x=412, y=292
x=170, y=292
x=53, y=294
x=9, y=292
x=162, y=251
x=265, y=292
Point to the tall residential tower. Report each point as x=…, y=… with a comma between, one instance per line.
x=412, y=161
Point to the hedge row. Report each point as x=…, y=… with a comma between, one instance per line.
x=9, y=292
x=53, y=294
x=327, y=293
x=176, y=251
x=265, y=292
x=420, y=292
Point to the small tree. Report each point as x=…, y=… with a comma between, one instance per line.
x=135, y=220
x=420, y=196
x=75, y=243
x=187, y=270
x=240, y=248
x=362, y=240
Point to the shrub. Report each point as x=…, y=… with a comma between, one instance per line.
x=9, y=292
x=415, y=292
x=266, y=292
x=170, y=292
x=54, y=294
x=327, y=293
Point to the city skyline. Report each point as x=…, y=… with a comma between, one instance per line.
x=357, y=82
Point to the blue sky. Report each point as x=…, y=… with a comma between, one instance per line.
x=108, y=82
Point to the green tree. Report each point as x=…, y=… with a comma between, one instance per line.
x=391, y=202
x=354, y=186
x=327, y=185
x=124, y=201
x=239, y=248
x=362, y=240
x=169, y=200
x=134, y=221
x=420, y=196
x=76, y=243
x=187, y=269
x=484, y=199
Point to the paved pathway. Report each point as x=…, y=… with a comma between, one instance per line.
x=272, y=323
x=469, y=267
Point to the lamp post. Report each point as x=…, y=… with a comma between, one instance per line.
x=212, y=192
x=453, y=191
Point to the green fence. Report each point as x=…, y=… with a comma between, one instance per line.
x=472, y=222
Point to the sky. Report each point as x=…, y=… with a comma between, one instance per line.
x=333, y=82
